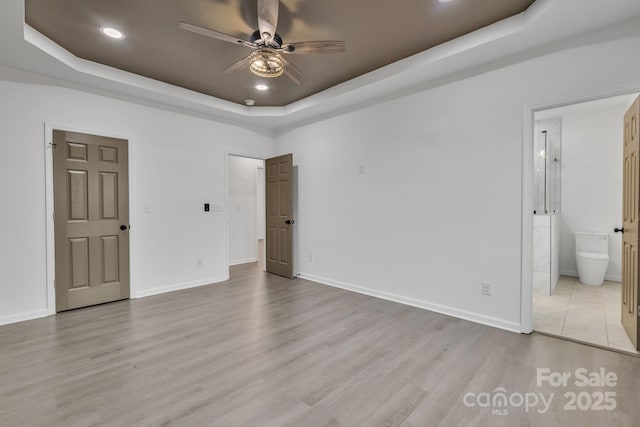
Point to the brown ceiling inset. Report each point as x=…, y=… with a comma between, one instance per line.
x=377, y=33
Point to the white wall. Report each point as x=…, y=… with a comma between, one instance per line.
x=177, y=163
x=592, y=177
x=437, y=210
x=261, y=202
x=555, y=250
x=542, y=254
x=243, y=209
x=439, y=207
x=546, y=253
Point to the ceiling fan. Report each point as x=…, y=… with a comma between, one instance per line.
x=266, y=60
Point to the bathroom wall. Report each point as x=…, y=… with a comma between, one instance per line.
x=556, y=220
x=591, y=176
x=243, y=212
x=547, y=178
x=546, y=253
x=542, y=254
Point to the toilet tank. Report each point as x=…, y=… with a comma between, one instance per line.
x=592, y=242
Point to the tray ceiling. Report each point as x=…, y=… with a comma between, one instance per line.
x=376, y=32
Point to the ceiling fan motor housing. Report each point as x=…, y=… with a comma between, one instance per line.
x=277, y=40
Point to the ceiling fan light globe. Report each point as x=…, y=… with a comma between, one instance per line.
x=266, y=63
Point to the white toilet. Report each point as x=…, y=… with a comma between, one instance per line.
x=592, y=257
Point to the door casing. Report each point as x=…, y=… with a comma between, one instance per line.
x=49, y=220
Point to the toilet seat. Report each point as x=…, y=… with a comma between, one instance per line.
x=593, y=256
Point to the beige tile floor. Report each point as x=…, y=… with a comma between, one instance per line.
x=582, y=312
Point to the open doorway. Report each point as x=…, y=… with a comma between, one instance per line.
x=246, y=207
x=577, y=218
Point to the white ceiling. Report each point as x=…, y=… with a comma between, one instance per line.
x=547, y=26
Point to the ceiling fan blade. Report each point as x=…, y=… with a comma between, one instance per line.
x=292, y=72
x=214, y=34
x=237, y=66
x=315, y=47
x=268, y=18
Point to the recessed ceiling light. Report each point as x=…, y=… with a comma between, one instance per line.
x=250, y=102
x=262, y=87
x=112, y=32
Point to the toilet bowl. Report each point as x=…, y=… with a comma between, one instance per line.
x=592, y=257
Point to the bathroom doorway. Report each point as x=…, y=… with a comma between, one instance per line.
x=577, y=223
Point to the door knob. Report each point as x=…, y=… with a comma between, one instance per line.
x=123, y=227
x=618, y=230
x=289, y=221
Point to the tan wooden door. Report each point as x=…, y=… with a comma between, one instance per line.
x=279, y=209
x=91, y=214
x=630, y=211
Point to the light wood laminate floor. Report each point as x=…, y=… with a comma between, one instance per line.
x=265, y=351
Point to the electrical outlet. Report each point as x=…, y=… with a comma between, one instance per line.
x=486, y=289
x=199, y=262
x=310, y=258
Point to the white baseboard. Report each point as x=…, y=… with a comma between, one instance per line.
x=442, y=309
x=243, y=261
x=608, y=277
x=179, y=286
x=21, y=317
